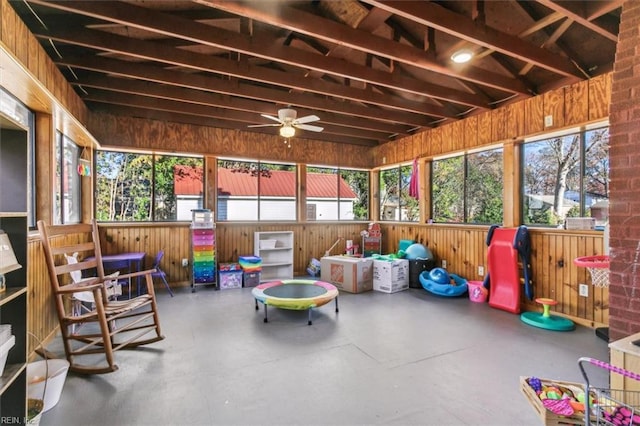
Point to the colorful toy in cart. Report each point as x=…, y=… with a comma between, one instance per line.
x=564, y=400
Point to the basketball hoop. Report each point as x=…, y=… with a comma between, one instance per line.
x=598, y=267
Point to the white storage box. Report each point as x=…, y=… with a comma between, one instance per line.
x=268, y=244
x=4, y=352
x=350, y=274
x=580, y=223
x=202, y=218
x=390, y=276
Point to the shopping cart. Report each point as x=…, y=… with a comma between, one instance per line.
x=610, y=406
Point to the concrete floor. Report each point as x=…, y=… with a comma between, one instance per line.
x=409, y=358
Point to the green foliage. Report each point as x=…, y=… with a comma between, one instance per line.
x=127, y=184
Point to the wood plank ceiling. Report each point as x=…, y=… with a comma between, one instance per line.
x=371, y=70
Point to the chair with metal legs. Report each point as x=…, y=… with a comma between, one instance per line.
x=159, y=273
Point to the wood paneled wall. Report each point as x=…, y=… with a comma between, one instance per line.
x=554, y=274
x=232, y=240
x=463, y=247
x=569, y=106
x=136, y=133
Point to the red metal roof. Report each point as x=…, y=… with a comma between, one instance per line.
x=279, y=183
x=187, y=180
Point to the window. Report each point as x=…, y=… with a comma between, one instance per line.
x=484, y=187
x=566, y=176
x=19, y=113
x=395, y=201
x=256, y=191
x=68, y=188
x=337, y=194
x=147, y=187
x=468, y=188
x=447, y=195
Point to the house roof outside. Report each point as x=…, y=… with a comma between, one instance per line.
x=279, y=183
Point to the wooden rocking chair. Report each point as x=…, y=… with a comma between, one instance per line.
x=110, y=325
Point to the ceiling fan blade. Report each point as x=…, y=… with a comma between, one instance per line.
x=264, y=125
x=306, y=119
x=271, y=117
x=309, y=127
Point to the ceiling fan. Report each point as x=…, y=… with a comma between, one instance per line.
x=288, y=122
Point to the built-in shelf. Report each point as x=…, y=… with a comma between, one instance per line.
x=13, y=300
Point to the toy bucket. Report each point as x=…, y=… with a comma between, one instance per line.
x=477, y=292
x=56, y=376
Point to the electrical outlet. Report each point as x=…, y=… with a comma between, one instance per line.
x=583, y=290
x=185, y=262
x=548, y=120
x=444, y=264
x=481, y=270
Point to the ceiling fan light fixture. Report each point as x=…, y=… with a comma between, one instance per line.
x=462, y=56
x=287, y=131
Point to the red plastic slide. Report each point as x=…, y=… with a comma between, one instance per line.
x=502, y=259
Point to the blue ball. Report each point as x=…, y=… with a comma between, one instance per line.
x=417, y=251
x=439, y=276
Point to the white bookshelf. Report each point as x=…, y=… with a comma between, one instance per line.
x=275, y=248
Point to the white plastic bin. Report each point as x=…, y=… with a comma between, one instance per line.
x=36, y=372
x=4, y=352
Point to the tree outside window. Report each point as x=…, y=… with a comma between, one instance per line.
x=447, y=190
x=468, y=188
x=337, y=194
x=147, y=187
x=566, y=176
x=395, y=202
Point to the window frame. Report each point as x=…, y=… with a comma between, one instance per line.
x=153, y=155
x=465, y=183
x=414, y=209
x=338, y=172
x=62, y=145
x=259, y=197
x=580, y=132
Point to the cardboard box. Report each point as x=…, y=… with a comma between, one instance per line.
x=390, y=276
x=350, y=274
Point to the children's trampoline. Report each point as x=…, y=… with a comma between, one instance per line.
x=295, y=295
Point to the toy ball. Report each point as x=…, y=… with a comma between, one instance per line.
x=417, y=251
x=439, y=276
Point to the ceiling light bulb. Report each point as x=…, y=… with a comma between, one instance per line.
x=462, y=56
x=287, y=131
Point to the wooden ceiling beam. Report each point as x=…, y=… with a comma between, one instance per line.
x=209, y=83
x=162, y=91
x=177, y=117
x=434, y=15
x=154, y=51
x=180, y=106
x=315, y=26
x=266, y=48
x=568, y=9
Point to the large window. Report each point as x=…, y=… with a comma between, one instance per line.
x=19, y=113
x=395, y=201
x=337, y=194
x=68, y=188
x=147, y=187
x=256, y=191
x=566, y=176
x=468, y=188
